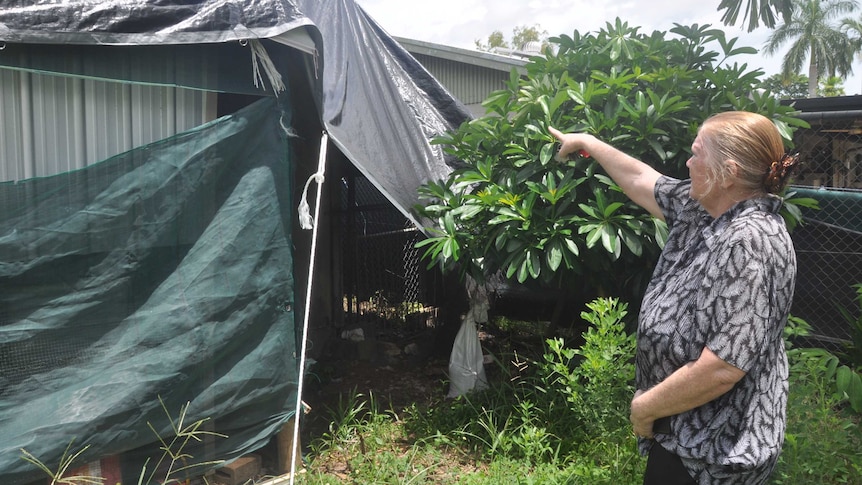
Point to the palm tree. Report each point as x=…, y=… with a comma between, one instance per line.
x=828, y=48
x=853, y=28
x=832, y=87
x=756, y=11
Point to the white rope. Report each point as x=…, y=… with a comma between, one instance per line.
x=318, y=177
x=306, y=221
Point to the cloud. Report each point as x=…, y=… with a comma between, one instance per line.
x=459, y=23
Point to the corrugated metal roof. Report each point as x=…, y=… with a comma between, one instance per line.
x=463, y=56
x=468, y=75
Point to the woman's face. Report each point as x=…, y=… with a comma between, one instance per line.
x=698, y=171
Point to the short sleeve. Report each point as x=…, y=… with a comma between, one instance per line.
x=672, y=196
x=735, y=306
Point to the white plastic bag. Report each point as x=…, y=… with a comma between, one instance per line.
x=466, y=363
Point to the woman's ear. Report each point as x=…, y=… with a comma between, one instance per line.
x=732, y=170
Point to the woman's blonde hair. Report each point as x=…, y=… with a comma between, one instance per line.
x=753, y=143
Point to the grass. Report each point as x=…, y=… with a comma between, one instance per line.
x=172, y=468
x=556, y=417
x=560, y=418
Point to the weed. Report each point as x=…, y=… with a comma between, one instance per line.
x=58, y=477
x=174, y=458
x=173, y=453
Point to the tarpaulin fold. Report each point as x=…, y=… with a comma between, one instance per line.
x=381, y=107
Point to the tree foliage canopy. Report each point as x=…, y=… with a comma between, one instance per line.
x=755, y=11
x=512, y=208
x=793, y=87
x=521, y=36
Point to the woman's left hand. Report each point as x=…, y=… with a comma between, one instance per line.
x=643, y=426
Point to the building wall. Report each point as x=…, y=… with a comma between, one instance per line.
x=470, y=84
x=52, y=124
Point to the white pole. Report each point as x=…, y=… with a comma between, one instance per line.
x=305, y=221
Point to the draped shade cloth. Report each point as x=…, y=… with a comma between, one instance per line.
x=163, y=276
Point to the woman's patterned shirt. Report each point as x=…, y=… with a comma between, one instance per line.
x=724, y=283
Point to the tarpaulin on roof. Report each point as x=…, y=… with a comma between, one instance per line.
x=379, y=105
x=145, y=23
x=162, y=273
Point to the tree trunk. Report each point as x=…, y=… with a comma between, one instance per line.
x=812, y=77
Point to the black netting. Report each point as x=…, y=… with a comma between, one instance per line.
x=386, y=284
x=829, y=244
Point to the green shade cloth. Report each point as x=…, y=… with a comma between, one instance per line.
x=162, y=273
x=841, y=208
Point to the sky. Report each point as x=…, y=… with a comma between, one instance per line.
x=459, y=23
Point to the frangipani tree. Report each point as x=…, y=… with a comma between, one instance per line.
x=512, y=208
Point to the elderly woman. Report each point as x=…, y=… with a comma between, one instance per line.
x=711, y=366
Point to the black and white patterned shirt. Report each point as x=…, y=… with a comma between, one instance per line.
x=724, y=283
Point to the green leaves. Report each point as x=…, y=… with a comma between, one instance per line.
x=607, y=223
x=849, y=385
x=513, y=208
x=621, y=41
x=791, y=209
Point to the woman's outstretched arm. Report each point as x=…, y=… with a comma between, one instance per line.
x=636, y=178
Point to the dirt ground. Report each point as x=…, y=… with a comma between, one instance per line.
x=395, y=377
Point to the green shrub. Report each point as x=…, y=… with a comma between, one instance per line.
x=511, y=207
x=853, y=352
x=566, y=407
x=823, y=369
x=822, y=438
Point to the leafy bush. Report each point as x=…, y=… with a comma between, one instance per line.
x=568, y=407
x=599, y=387
x=823, y=369
x=853, y=352
x=512, y=207
x=822, y=442
x=822, y=438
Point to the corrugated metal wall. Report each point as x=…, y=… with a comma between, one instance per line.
x=53, y=124
x=469, y=84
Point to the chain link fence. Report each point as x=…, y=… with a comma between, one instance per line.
x=829, y=243
x=387, y=289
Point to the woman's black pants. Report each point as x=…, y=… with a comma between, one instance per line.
x=665, y=468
